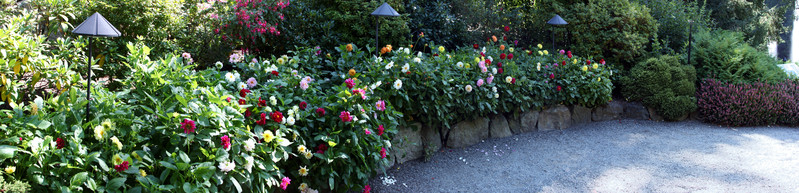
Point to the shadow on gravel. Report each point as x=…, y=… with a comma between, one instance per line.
x=613, y=156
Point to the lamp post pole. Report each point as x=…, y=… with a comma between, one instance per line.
x=383, y=10
x=89, y=82
x=94, y=25
x=557, y=20
x=690, y=39
x=377, y=35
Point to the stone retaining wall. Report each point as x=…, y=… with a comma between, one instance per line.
x=414, y=143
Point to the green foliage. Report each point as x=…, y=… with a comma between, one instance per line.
x=14, y=186
x=723, y=55
x=663, y=84
x=619, y=30
x=352, y=22
x=759, y=21
x=675, y=19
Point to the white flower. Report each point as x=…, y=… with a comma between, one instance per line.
x=227, y=166
x=389, y=65
x=269, y=109
x=490, y=59
x=398, y=84
x=229, y=77
x=307, y=154
x=388, y=143
x=493, y=70
x=376, y=84
x=468, y=88
x=459, y=64
x=290, y=112
x=252, y=66
x=378, y=59
x=283, y=142
x=295, y=73
x=290, y=121
x=266, y=63
x=494, y=88
x=538, y=66
x=496, y=95
x=419, y=54
x=273, y=100
x=36, y=145
x=116, y=142
x=249, y=161
x=405, y=68
x=508, y=79
x=237, y=75
x=219, y=64
x=484, y=49
x=417, y=59
x=407, y=51
x=241, y=85
x=448, y=56
x=249, y=145
x=295, y=108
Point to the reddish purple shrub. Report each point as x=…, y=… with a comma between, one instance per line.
x=749, y=104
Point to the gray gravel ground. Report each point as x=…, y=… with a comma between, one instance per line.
x=612, y=156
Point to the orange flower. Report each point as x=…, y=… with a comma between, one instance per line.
x=390, y=48
x=494, y=38
x=501, y=47
x=349, y=47
x=351, y=72
x=383, y=50
x=411, y=46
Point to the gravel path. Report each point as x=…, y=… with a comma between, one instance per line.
x=612, y=156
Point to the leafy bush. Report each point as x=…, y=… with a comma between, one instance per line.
x=761, y=21
x=749, y=104
x=724, y=56
x=674, y=20
x=663, y=84
x=619, y=30
x=352, y=22
x=246, y=24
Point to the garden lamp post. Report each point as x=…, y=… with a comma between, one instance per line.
x=94, y=26
x=690, y=31
x=383, y=10
x=555, y=21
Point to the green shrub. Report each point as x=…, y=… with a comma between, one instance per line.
x=663, y=84
x=674, y=21
x=723, y=55
x=353, y=23
x=619, y=30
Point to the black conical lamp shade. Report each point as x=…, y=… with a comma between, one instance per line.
x=385, y=10
x=557, y=20
x=96, y=25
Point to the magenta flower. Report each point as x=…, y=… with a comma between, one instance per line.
x=285, y=183
x=562, y=52
x=345, y=116
x=303, y=105
x=188, y=126
x=480, y=82
x=320, y=111
x=380, y=130
x=367, y=189
x=350, y=83
x=381, y=105
x=225, y=142
x=367, y=131
x=382, y=152
x=489, y=79
x=122, y=167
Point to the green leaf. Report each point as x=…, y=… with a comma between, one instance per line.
x=187, y=187
x=235, y=183
x=330, y=182
x=184, y=157
x=91, y=184
x=44, y=124
x=116, y=183
x=78, y=179
x=168, y=165
x=7, y=151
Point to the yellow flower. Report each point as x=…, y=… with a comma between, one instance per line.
x=599, y=79
x=268, y=136
x=351, y=72
x=301, y=148
x=349, y=47
x=116, y=142
x=596, y=66
x=99, y=133
x=308, y=155
x=116, y=160
x=281, y=61
x=441, y=49
x=331, y=143
x=476, y=59
x=136, y=155
x=546, y=52
x=585, y=68
x=540, y=46
x=11, y=169
x=108, y=125
x=467, y=65
x=303, y=171
x=540, y=53
x=303, y=186
x=510, y=49
x=538, y=66
x=574, y=61
x=142, y=173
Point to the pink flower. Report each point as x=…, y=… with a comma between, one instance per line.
x=490, y=79
x=380, y=130
x=285, y=183
x=551, y=76
x=558, y=88
x=360, y=92
x=345, y=116
x=562, y=52
x=367, y=131
x=482, y=64
x=367, y=189
x=350, y=83
x=381, y=105
x=188, y=126
x=382, y=152
x=122, y=167
x=225, y=142
x=480, y=82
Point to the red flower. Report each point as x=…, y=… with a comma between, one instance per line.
x=488, y=62
x=242, y=102
x=529, y=53
x=513, y=81
x=380, y=130
x=225, y=142
x=589, y=62
x=122, y=167
x=507, y=28
x=367, y=189
x=563, y=63
x=476, y=46
x=228, y=99
x=499, y=64
x=499, y=70
x=482, y=54
x=303, y=105
x=274, y=72
x=320, y=111
x=551, y=76
x=188, y=126
x=243, y=92
x=262, y=121
x=60, y=143
x=510, y=56
x=321, y=148
x=569, y=54
x=558, y=88
x=382, y=152
x=409, y=72
x=502, y=56
x=435, y=54
x=505, y=38
x=247, y=113
x=276, y=116
x=602, y=61
x=345, y=116
x=261, y=102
